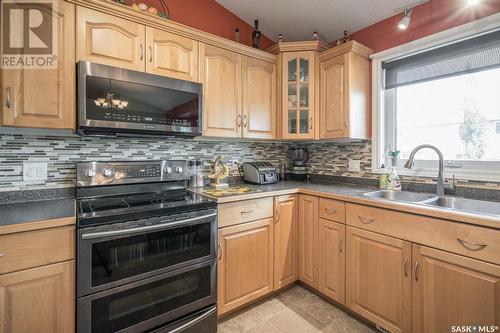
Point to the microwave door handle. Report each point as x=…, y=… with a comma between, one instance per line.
x=122, y=232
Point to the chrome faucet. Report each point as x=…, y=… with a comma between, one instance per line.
x=441, y=182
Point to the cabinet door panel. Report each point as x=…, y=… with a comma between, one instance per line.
x=245, y=268
x=333, y=88
x=171, y=55
x=109, y=40
x=259, y=99
x=308, y=240
x=222, y=92
x=38, y=300
x=332, y=260
x=378, y=278
x=45, y=98
x=449, y=289
x=285, y=241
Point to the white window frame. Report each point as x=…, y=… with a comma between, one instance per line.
x=470, y=170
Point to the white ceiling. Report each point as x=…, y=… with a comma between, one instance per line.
x=298, y=19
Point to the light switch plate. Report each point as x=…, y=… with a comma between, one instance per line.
x=34, y=171
x=354, y=166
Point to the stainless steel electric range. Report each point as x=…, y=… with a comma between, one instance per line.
x=146, y=250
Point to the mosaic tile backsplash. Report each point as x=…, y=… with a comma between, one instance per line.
x=61, y=154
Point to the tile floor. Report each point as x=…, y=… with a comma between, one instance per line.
x=296, y=310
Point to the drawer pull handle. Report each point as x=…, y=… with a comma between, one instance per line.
x=150, y=54
x=365, y=220
x=245, y=121
x=277, y=216
x=245, y=213
x=142, y=51
x=7, y=97
x=2, y=254
x=406, y=267
x=330, y=210
x=238, y=120
x=416, y=270
x=472, y=247
x=340, y=244
x=219, y=250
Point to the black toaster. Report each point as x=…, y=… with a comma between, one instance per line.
x=260, y=173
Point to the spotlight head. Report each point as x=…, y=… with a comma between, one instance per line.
x=405, y=21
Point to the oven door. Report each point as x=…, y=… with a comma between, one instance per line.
x=116, y=254
x=150, y=303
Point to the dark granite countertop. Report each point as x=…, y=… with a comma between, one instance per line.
x=32, y=211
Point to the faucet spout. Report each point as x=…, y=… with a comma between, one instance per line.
x=441, y=183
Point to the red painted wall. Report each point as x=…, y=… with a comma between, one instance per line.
x=429, y=18
x=209, y=16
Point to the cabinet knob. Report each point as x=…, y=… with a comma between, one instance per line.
x=2, y=254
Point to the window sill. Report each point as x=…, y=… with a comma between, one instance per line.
x=460, y=174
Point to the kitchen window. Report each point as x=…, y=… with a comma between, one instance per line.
x=447, y=95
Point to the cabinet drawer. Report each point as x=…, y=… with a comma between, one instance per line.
x=472, y=241
x=36, y=248
x=332, y=210
x=245, y=211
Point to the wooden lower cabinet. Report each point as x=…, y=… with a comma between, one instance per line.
x=378, y=279
x=450, y=289
x=332, y=260
x=245, y=267
x=38, y=300
x=308, y=240
x=286, y=262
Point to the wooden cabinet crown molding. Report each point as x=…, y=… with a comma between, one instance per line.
x=112, y=8
x=315, y=45
x=351, y=46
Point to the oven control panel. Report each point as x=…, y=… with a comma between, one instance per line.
x=110, y=173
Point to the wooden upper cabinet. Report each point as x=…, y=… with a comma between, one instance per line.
x=221, y=73
x=44, y=98
x=378, y=279
x=332, y=260
x=298, y=95
x=171, y=55
x=344, y=92
x=245, y=267
x=259, y=99
x=110, y=40
x=308, y=240
x=449, y=289
x=39, y=299
x=285, y=241
x=333, y=117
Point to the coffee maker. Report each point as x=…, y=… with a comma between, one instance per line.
x=300, y=157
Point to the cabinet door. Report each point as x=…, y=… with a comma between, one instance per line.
x=171, y=55
x=222, y=92
x=245, y=268
x=45, y=98
x=449, y=289
x=333, y=108
x=286, y=269
x=298, y=95
x=38, y=300
x=308, y=240
x=109, y=40
x=332, y=260
x=378, y=279
x=259, y=99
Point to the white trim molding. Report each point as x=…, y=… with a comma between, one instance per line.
x=467, y=30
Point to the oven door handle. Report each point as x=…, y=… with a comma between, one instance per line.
x=122, y=232
x=194, y=321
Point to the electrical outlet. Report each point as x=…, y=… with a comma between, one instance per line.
x=34, y=171
x=354, y=166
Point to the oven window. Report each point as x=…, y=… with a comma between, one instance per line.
x=133, y=306
x=121, y=258
x=113, y=100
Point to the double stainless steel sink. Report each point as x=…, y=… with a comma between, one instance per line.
x=447, y=202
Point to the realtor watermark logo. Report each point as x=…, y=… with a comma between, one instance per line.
x=474, y=328
x=29, y=34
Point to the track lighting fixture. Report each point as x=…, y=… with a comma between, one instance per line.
x=405, y=21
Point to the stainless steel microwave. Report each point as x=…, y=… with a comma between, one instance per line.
x=113, y=100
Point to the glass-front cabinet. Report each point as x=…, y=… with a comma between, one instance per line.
x=298, y=95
